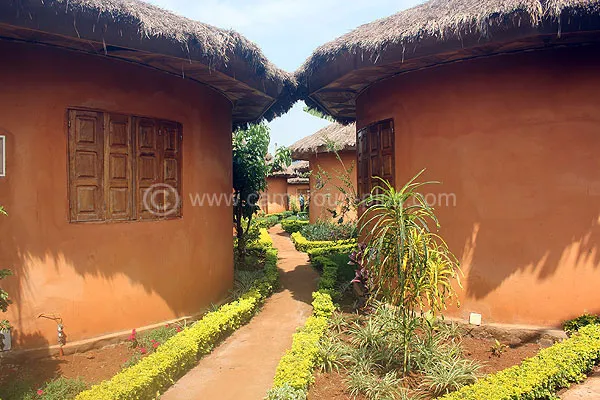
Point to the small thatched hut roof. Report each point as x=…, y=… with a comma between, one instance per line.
x=438, y=32
x=343, y=137
x=141, y=33
x=297, y=169
x=298, y=181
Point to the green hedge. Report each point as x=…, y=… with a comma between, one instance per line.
x=303, y=244
x=540, y=377
x=153, y=374
x=333, y=249
x=295, y=370
x=292, y=225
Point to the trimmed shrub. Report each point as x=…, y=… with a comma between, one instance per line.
x=329, y=231
x=302, y=244
x=266, y=221
x=293, y=225
x=571, y=326
x=335, y=271
x=153, y=374
x=344, y=249
x=295, y=370
x=539, y=377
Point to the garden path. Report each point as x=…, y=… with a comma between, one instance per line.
x=589, y=389
x=243, y=366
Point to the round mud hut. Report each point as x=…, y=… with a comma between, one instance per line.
x=499, y=101
x=331, y=153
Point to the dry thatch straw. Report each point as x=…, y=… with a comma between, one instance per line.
x=139, y=31
x=342, y=137
x=297, y=169
x=438, y=27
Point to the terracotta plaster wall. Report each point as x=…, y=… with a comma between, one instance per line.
x=276, y=194
x=328, y=196
x=105, y=277
x=514, y=140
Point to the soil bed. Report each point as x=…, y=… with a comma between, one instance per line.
x=332, y=386
x=92, y=366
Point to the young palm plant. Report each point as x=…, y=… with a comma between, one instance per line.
x=409, y=266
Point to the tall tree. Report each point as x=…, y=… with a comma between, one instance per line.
x=250, y=147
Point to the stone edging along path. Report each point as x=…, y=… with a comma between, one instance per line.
x=243, y=366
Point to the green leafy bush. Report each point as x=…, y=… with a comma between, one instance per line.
x=539, y=377
x=302, y=244
x=150, y=376
x=343, y=249
x=292, y=225
x=571, y=326
x=335, y=271
x=295, y=369
x=329, y=231
x=266, y=221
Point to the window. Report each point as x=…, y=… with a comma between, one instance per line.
x=2, y=156
x=375, y=147
x=117, y=161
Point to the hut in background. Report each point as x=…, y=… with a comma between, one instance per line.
x=326, y=169
x=499, y=101
x=283, y=187
x=109, y=110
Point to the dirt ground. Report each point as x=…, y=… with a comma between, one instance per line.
x=92, y=366
x=331, y=386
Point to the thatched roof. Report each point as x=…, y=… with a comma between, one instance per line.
x=297, y=168
x=437, y=32
x=343, y=137
x=298, y=181
x=141, y=33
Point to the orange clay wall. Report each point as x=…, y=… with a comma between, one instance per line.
x=328, y=197
x=105, y=277
x=514, y=140
x=276, y=194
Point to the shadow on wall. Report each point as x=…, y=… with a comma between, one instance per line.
x=525, y=204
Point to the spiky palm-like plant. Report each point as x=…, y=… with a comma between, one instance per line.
x=409, y=265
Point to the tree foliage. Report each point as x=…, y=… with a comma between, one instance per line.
x=250, y=147
x=281, y=160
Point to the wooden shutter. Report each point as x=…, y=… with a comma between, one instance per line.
x=386, y=135
x=376, y=155
x=362, y=162
x=148, y=155
x=118, y=176
x=86, y=154
x=171, y=134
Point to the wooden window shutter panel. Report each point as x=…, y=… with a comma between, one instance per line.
x=86, y=155
x=118, y=174
x=171, y=134
x=386, y=133
x=148, y=169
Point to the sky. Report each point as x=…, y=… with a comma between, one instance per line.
x=288, y=31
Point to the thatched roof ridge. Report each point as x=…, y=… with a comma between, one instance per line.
x=343, y=137
x=439, y=27
x=298, y=181
x=297, y=168
x=135, y=30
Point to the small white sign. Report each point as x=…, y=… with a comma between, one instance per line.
x=2, y=155
x=475, y=319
